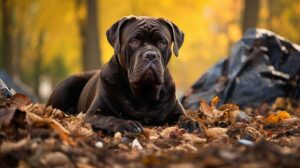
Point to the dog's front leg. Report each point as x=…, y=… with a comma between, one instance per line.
x=110, y=124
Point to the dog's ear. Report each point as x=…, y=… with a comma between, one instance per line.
x=113, y=34
x=177, y=35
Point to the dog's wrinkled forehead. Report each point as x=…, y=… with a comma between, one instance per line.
x=130, y=24
x=145, y=25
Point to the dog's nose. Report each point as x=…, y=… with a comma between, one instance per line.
x=151, y=56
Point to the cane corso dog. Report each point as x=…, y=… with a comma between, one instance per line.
x=135, y=87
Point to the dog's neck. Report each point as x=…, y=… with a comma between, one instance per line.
x=144, y=92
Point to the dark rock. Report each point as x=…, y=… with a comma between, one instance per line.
x=261, y=67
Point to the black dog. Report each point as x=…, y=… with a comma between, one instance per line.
x=135, y=86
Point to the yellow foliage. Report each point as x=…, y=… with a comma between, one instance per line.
x=55, y=24
x=215, y=100
x=210, y=28
x=234, y=32
x=278, y=117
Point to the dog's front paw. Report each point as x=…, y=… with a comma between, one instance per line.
x=189, y=124
x=124, y=126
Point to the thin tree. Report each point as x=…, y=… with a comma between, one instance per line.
x=90, y=37
x=8, y=38
x=250, y=14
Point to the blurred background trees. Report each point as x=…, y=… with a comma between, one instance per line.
x=42, y=41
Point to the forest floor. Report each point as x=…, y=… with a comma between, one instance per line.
x=34, y=136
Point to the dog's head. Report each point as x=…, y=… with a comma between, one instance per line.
x=142, y=46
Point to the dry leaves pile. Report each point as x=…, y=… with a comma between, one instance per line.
x=34, y=136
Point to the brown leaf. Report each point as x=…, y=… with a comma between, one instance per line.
x=56, y=159
x=6, y=115
x=37, y=121
x=222, y=139
x=62, y=132
x=211, y=113
x=277, y=118
x=8, y=146
x=251, y=134
x=166, y=133
x=290, y=121
x=229, y=107
x=20, y=100
x=215, y=101
x=215, y=132
x=150, y=134
x=38, y=109
x=280, y=103
x=233, y=116
x=192, y=114
x=193, y=138
x=206, y=109
x=186, y=147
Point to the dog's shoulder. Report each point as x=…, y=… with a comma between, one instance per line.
x=111, y=71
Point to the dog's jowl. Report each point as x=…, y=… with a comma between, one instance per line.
x=135, y=87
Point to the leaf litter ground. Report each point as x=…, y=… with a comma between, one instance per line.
x=268, y=136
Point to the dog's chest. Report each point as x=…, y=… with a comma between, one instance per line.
x=145, y=113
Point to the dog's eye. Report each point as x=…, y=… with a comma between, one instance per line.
x=161, y=43
x=135, y=42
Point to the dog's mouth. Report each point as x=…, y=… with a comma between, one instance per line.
x=149, y=74
x=149, y=84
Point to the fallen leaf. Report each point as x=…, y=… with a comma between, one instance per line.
x=168, y=131
x=37, y=109
x=206, y=109
x=56, y=159
x=215, y=101
x=37, y=121
x=20, y=100
x=58, y=114
x=150, y=134
x=222, y=139
x=193, y=138
x=215, y=132
x=182, y=165
x=250, y=133
x=277, y=118
x=243, y=117
x=282, y=115
x=280, y=103
x=271, y=119
x=239, y=116
x=8, y=146
x=212, y=114
x=290, y=121
x=186, y=147
x=62, y=132
x=228, y=107
x=6, y=115
x=233, y=115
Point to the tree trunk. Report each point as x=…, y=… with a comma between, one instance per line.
x=90, y=37
x=38, y=64
x=8, y=38
x=250, y=15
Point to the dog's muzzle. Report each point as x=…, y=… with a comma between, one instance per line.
x=147, y=68
x=150, y=56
